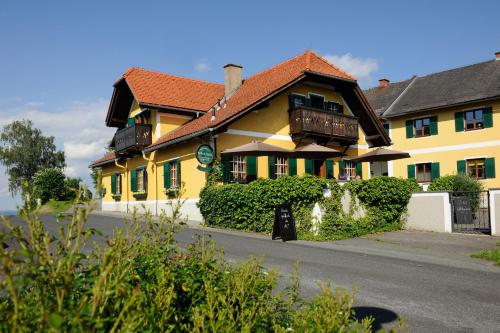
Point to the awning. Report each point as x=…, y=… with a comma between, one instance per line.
x=381, y=154
x=256, y=148
x=313, y=150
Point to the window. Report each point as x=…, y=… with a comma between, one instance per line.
x=473, y=119
x=297, y=101
x=422, y=127
x=317, y=101
x=142, y=181
x=334, y=107
x=238, y=169
x=281, y=166
x=476, y=168
x=118, y=184
x=350, y=170
x=423, y=171
x=174, y=174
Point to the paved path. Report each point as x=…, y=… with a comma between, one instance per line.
x=427, y=278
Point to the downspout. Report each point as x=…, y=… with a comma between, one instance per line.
x=153, y=168
x=124, y=167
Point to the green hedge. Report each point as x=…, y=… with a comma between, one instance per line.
x=251, y=206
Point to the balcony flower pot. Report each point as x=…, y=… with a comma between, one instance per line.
x=117, y=197
x=140, y=195
x=171, y=192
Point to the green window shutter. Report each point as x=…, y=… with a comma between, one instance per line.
x=113, y=184
x=292, y=166
x=435, y=170
x=341, y=168
x=133, y=180
x=271, y=161
x=359, y=169
x=461, y=168
x=459, y=122
x=309, y=166
x=131, y=121
x=487, y=117
x=409, y=129
x=329, y=169
x=166, y=175
x=411, y=171
x=226, y=169
x=434, y=125
x=179, y=180
x=489, y=164
x=251, y=168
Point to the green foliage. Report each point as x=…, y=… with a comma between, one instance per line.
x=493, y=255
x=72, y=186
x=215, y=176
x=455, y=183
x=140, y=280
x=55, y=207
x=251, y=206
x=24, y=151
x=50, y=184
x=386, y=198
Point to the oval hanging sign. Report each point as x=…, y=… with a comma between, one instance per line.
x=205, y=154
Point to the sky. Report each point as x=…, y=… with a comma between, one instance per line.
x=59, y=59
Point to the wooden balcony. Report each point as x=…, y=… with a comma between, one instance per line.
x=306, y=121
x=133, y=139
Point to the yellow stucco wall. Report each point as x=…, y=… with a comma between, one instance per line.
x=448, y=146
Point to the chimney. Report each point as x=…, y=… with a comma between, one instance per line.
x=232, y=78
x=382, y=83
x=497, y=55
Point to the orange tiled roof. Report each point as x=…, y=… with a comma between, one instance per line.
x=106, y=158
x=154, y=88
x=256, y=88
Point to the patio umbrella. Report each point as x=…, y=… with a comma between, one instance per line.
x=381, y=154
x=256, y=148
x=313, y=150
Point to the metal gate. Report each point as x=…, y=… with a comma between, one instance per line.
x=471, y=212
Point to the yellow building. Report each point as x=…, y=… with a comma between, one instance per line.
x=449, y=122
x=162, y=121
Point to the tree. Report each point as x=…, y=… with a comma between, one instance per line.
x=24, y=151
x=50, y=184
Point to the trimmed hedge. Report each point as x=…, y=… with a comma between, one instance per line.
x=251, y=206
x=386, y=198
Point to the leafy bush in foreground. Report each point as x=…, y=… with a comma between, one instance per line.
x=454, y=183
x=142, y=281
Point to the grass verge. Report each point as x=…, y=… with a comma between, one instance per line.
x=493, y=255
x=55, y=207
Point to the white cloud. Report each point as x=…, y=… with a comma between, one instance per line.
x=360, y=68
x=78, y=128
x=202, y=67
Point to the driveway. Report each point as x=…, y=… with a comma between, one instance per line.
x=426, y=278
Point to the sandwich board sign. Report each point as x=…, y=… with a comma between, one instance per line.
x=284, y=224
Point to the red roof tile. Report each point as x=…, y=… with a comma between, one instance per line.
x=256, y=88
x=149, y=87
x=106, y=158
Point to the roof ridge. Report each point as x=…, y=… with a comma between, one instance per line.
x=413, y=79
x=391, y=83
x=458, y=67
x=278, y=64
x=131, y=69
x=332, y=65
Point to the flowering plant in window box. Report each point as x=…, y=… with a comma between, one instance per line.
x=140, y=195
x=117, y=196
x=172, y=192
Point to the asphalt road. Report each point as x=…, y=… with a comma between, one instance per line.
x=432, y=295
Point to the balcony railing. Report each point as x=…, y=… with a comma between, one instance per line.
x=133, y=138
x=306, y=120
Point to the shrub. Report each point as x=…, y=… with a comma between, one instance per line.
x=251, y=206
x=72, y=186
x=50, y=184
x=454, y=183
x=142, y=281
x=386, y=198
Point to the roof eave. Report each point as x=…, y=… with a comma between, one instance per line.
x=176, y=140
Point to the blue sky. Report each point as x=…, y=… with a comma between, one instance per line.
x=59, y=59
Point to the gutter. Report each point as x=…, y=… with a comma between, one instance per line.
x=156, y=178
x=124, y=167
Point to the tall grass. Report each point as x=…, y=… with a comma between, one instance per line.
x=140, y=280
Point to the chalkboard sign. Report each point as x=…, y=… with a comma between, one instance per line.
x=284, y=224
x=463, y=210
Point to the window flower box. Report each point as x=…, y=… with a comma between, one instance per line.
x=140, y=195
x=117, y=197
x=172, y=192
